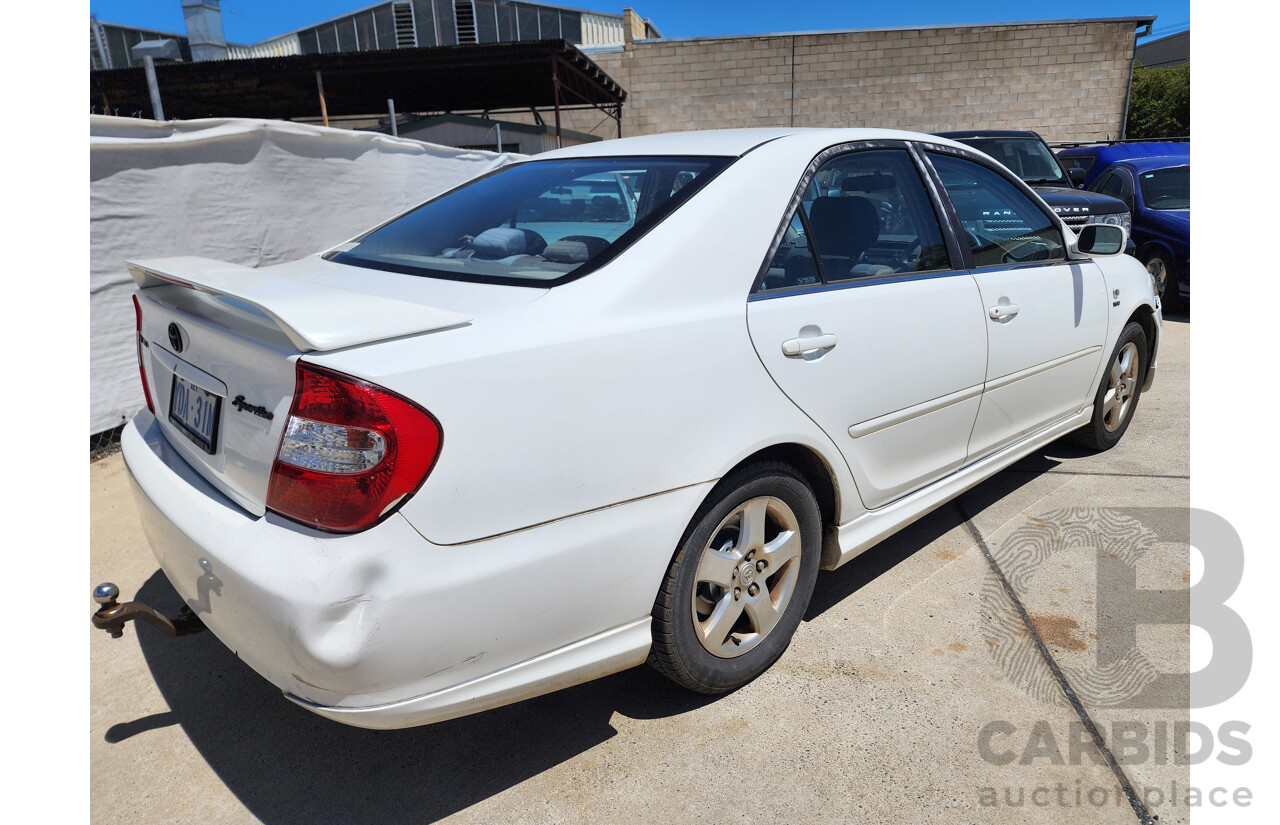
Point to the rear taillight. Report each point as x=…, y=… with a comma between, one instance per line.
x=351, y=452
x=142, y=369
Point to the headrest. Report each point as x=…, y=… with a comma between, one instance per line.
x=503, y=242
x=844, y=226
x=574, y=249
x=605, y=208
x=868, y=183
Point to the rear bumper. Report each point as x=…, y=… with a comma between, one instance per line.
x=604, y=653
x=384, y=629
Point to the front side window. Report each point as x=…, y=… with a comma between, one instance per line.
x=1001, y=224
x=535, y=224
x=863, y=215
x=1166, y=188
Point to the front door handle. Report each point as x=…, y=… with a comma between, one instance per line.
x=1001, y=311
x=799, y=346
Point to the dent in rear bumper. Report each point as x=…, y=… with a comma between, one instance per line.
x=385, y=619
x=301, y=608
x=609, y=652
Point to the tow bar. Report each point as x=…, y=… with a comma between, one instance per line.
x=112, y=616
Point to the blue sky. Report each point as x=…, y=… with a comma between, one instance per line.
x=247, y=21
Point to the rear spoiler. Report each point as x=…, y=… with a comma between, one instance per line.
x=316, y=317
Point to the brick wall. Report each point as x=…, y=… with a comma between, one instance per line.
x=1067, y=82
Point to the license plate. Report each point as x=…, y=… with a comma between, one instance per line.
x=195, y=411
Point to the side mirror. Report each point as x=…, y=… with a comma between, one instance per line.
x=1102, y=239
x=1076, y=174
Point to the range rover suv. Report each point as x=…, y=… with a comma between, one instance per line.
x=1029, y=157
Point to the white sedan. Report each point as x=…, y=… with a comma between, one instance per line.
x=617, y=403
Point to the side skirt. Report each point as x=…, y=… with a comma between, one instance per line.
x=870, y=528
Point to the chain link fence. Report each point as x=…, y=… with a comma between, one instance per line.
x=104, y=444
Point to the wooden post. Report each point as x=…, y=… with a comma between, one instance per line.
x=555, y=82
x=324, y=110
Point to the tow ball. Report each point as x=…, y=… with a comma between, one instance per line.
x=112, y=616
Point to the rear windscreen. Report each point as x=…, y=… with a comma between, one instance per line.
x=534, y=224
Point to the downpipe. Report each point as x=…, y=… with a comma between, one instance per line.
x=112, y=616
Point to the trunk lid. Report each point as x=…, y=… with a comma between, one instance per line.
x=220, y=342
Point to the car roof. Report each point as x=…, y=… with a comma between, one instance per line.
x=1159, y=162
x=730, y=142
x=1113, y=152
x=988, y=133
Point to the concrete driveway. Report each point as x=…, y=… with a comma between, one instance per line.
x=915, y=691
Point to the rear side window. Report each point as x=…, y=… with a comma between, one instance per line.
x=535, y=224
x=1084, y=162
x=1001, y=224
x=864, y=214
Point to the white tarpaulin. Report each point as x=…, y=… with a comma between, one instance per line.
x=252, y=192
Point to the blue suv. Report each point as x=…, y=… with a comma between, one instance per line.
x=1094, y=159
x=1154, y=181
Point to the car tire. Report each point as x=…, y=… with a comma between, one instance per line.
x=1118, y=391
x=1157, y=264
x=716, y=624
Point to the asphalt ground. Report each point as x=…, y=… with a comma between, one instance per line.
x=983, y=665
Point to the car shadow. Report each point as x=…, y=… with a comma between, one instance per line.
x=289, y=766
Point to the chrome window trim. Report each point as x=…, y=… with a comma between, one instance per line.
x=856, y=283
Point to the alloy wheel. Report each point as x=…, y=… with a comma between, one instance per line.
x=746, y=576
x=1122, y=387
x=1159, y=274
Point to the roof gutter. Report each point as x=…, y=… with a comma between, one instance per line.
x=1139, y=21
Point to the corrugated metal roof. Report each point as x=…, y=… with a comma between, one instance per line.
x=348, y=14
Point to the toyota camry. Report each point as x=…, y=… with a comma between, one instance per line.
x=618, y=403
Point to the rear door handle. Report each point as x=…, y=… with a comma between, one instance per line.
x=1001, y=311
x=799, y=346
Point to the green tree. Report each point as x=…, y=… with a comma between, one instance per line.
x=1159, y=103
